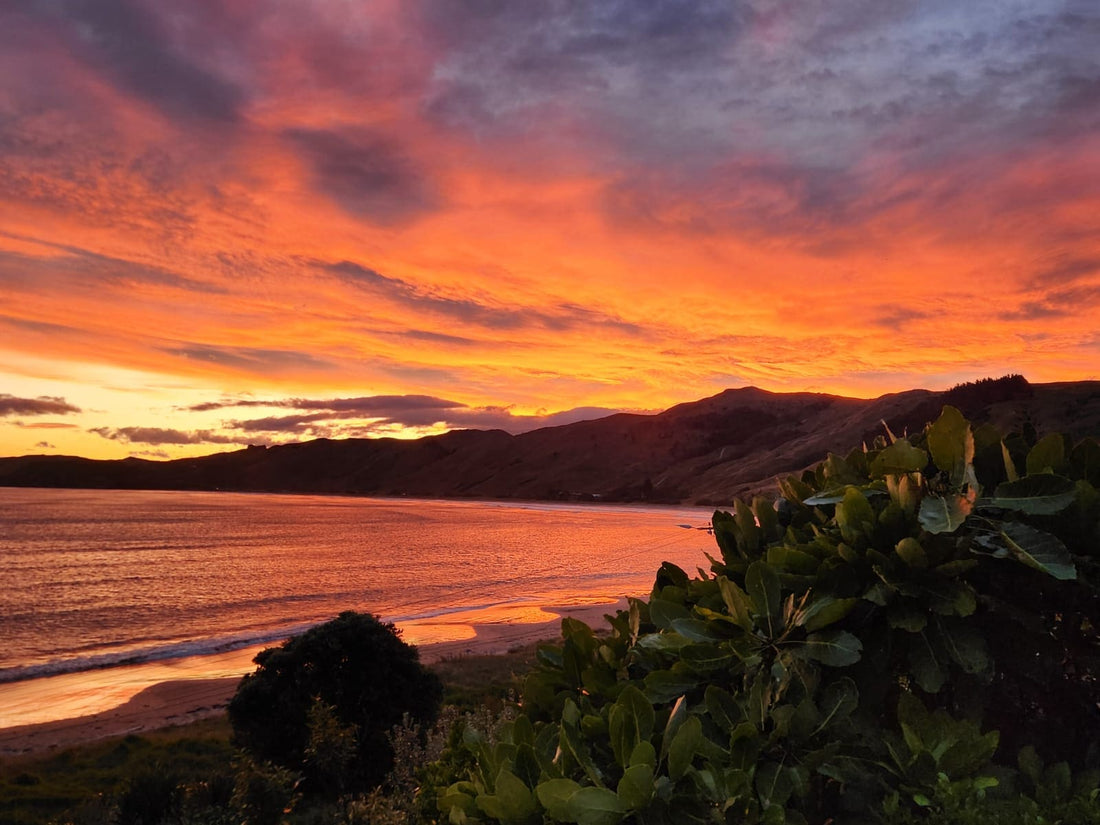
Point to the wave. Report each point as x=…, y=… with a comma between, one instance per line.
x=210, y=646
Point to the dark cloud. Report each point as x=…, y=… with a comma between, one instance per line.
x=265, y=361
x=36, y=326
x=786, y=120
x=368, y=175
x=438, y=337
x=128, y=43
x=42, y=405
x=1059, y=303
x=893, y=317
x=376, y=403
x=362, y=405
x=74, y=266
x=558, y=318
x=1065, y=270
x=159, y=454
x=45, y=445
x=282, y=423
x=159, y=435
x=380, y=413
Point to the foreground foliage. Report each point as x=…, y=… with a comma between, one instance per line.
x=322, y=703
x=911, y=631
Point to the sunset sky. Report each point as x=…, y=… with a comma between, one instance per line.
x=225, y=223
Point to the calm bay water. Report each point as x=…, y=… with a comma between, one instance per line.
x=92, y=579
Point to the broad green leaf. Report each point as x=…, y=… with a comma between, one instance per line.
x=1085, y=462
x=774, y=786
x=512, y=802
x=705, y=658
x=751, y=536
x=1030, y=764
x=596, y=806
x=644, y=754
x=738, y=602
x=766, y=517
x=904, y=490
x=669, y=574
x=839, y=472
x=952, y=444
x=911, y=552
x=790, y=560
x=683, y=747
x=925, y=665
x=965, y=644
x=1048, y=456
x=665, y=685
x=554, y=794
x=944, y=514
x=636, y=788
x=633, y=700
x=696, y=630
x=794, y=489
x=905, y=616
x=824, y=611
x=900, y=457
x=762, y=583
x=835, y=648
x=676, y=718
x=663, y=642
x=831, y=496
x=663, y=612
x=1038, y=549
x=1010, y=465
x=837, y=701
x=722, y=708
x=573, y=745
x=1037, y=495
x=854, y=515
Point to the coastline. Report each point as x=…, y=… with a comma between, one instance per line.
x=175, y=698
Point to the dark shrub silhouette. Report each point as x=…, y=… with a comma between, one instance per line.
x=356, y=665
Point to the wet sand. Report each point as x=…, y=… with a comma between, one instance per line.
x=141, y=698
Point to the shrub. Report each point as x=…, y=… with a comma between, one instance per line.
x=354, y=679
x=884, y=641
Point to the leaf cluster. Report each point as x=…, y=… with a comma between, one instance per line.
x=884, y=637
x=322, y=703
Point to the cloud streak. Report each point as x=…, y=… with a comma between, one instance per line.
x=158, y=436
x=42, y=405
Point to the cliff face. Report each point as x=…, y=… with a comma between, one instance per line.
x=705, y=451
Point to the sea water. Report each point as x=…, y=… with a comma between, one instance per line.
x=99, y=579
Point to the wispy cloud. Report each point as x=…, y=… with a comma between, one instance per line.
x=162, y=435
x=134, y=47
x=382, y=413
x=366, y=174
x=251, y=359
x=42, y=405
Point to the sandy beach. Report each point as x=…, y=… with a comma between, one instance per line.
x=151, y=697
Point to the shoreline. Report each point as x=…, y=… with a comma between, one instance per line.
x=174, y=698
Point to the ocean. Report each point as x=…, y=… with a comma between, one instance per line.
x=98, y=580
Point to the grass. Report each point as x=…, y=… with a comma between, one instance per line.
x=74, y=783
x=39, y=789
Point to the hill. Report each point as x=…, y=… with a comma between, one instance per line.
x=703, y=452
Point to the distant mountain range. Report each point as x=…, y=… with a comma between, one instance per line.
x=703, y=452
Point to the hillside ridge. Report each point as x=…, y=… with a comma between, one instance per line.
x=704, y=452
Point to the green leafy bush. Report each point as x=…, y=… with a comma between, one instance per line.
x=882, y=641
x=323, y=702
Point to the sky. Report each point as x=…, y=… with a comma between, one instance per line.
x=232, y=223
